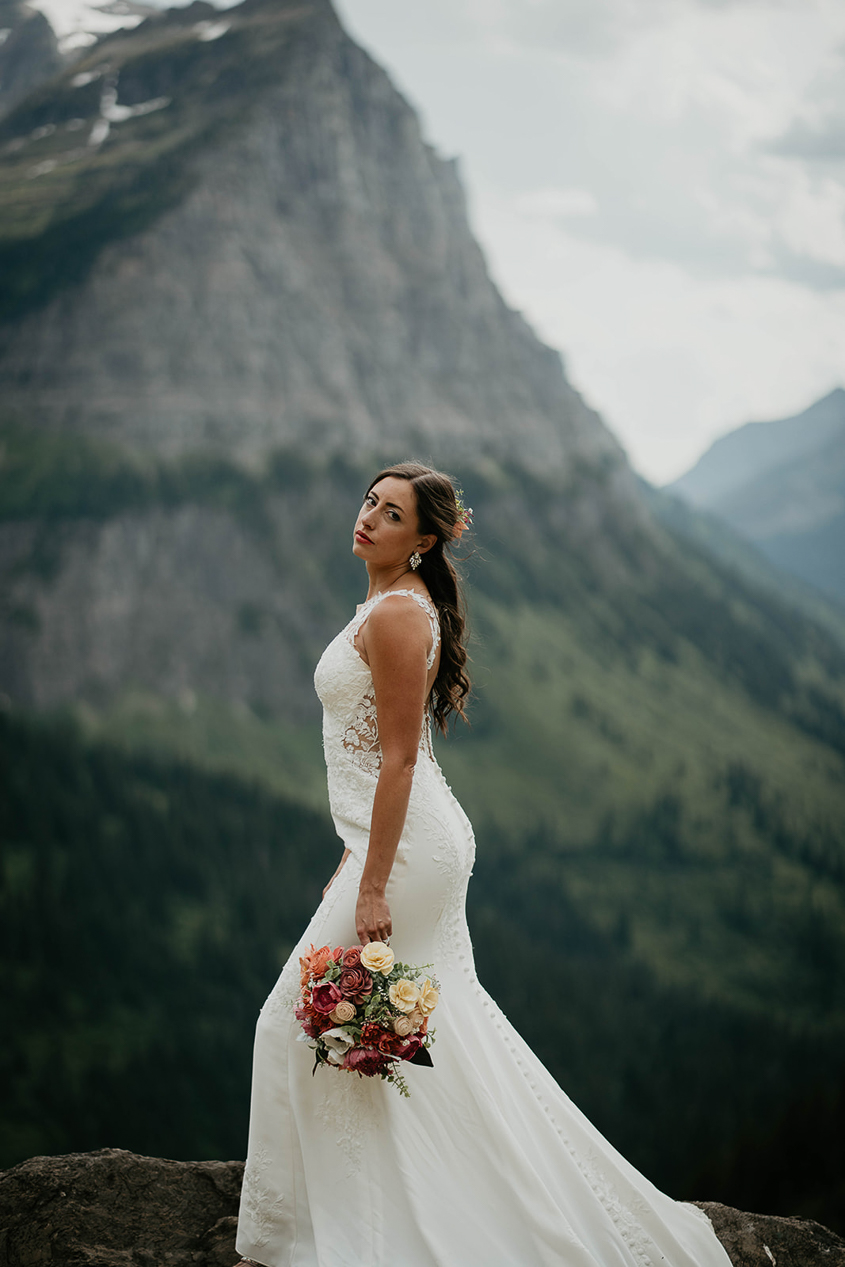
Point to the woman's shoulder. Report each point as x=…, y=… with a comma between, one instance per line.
x=406, y=605
x=410, y=614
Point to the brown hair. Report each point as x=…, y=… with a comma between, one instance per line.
x=437, y=514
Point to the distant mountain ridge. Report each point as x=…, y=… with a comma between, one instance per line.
x=782, y=485
x=755, y=448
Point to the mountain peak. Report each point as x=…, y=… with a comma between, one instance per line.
x=29, y=52
x=229, y=232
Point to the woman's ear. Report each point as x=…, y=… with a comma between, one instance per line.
x=425, y=543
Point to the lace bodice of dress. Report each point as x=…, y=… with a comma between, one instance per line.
x=350, y=720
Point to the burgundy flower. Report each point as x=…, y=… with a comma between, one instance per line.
x=352, y=957
x=325, y=996
x=356, y=983
x=411, y=1047
x=390, y=1044
x=365, y=1060
x=371, y=1033
x=306, y=1022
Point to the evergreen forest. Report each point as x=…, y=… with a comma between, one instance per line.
x=148, y=905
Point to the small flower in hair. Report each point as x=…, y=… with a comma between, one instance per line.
x=464, y=515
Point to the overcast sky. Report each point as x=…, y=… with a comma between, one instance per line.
x=659, y=186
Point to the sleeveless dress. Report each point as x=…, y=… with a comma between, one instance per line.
x=488, y=1163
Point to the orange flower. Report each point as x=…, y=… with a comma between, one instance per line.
x=314, y=963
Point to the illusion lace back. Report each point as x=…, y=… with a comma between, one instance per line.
x=488, y=1164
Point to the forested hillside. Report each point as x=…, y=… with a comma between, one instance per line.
x=145, y=909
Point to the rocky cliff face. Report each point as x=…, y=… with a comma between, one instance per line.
x=29, y=53
x=171, y=601
x=225, y=234
x=315, y=284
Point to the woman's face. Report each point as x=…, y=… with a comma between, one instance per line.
x=386, y=530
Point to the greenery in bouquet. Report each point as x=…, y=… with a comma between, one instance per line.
x=362, y=1011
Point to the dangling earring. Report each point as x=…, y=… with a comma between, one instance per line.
x=415, y=560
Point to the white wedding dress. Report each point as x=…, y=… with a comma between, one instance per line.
x=488, y=1164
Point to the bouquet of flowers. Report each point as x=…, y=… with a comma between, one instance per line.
x=361, y=1011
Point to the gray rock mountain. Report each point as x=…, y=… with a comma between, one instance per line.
x=782, y=485
x=263, y=259
x=225, y=235
x=29, y=53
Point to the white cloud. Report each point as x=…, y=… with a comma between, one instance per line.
x=644, y=175
x=811, y=220
x=555, y=203
x=671, y=359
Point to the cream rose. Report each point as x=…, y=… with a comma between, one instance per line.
x=403, y=1026
x=416, y=1018
x=429, y=998
x=378, y=958
x=343, y=1012
x=404, y=994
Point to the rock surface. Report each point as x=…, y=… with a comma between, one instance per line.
x=769, y=1240
x=161, y=600
x=29, y=53
x=112, y=1208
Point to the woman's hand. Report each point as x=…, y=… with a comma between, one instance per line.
x=372, y=916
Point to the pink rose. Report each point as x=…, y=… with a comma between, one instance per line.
x=352, y=957
x=356, y=983
x=325, y=997
x=365, y=1060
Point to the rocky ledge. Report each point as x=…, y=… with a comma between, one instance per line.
x=114, y=1209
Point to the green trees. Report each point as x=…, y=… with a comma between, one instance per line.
x=145, y=912
x=146, y=908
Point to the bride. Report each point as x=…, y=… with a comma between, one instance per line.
x=488, y=1163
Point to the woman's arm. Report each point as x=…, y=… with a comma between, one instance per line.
x=395, y=638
